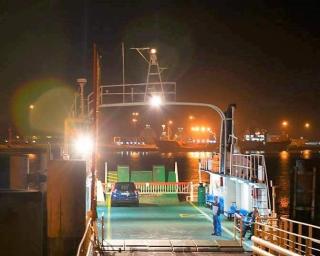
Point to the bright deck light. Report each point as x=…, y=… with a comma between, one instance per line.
x=155, y=101
x=84, y=145
x=153, y=51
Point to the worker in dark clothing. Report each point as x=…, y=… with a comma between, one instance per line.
x=216, y=209
x=248, y=222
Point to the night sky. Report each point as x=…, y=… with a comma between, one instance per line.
x=262, y=55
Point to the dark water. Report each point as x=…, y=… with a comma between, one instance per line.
x=279, y=167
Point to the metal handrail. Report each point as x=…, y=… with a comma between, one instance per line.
x=137, y=84
x=160, y=187
x=269, y=246
x=298, y=222
x=85, y=242
x=287, y=240
x=237, y=227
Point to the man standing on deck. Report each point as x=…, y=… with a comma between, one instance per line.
x=216, y=209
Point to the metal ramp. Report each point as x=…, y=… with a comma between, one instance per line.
x=171, y=246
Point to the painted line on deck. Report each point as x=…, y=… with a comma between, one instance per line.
x=108, y=217
x=211, y=220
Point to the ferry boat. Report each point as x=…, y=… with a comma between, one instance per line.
x=239, y=179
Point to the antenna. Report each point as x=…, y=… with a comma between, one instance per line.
x=154, y=85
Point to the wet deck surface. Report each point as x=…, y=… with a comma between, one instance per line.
x=161, y=219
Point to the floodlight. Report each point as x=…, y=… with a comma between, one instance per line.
x=155, y=101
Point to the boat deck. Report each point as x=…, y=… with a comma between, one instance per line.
x=163, y=223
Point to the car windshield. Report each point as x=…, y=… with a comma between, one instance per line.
x=125, y=186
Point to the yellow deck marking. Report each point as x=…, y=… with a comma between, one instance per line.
x=187, y=215
x=108, y=217
x=223, y=228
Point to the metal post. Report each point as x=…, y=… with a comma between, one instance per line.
x=191, y=192
x=313, y=191
x=176, y=171
x=96, y=91
x=274, y=214
x=294, y=192
x=131, y=94
x=199, y=171
x=102, y=229
x=105, y=173
x=123, y=81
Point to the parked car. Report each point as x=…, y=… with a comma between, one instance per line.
x=124, y=193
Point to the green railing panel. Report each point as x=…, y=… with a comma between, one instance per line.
x=159, y=173
x=123, y=173
x=171, y=176
x=141, y=176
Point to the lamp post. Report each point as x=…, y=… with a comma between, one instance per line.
x=307, y=127
x=31, y=108
x=285, y=125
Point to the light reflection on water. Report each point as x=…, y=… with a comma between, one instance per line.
x=280, y=166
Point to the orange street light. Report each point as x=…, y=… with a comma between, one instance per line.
x=31, y=106
x=170, y=122
x=307, y=125
x=191, y=117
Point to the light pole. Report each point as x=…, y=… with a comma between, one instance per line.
x=31, y=108
x=285, y=125
x=307, y=127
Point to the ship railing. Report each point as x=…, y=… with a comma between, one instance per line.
x=249, y=167
x=122, y=93
x=238, y=225
x=87, y=244
x=290, y=238
x=238, y=228
x=301, y=229
x=153, y=188
x=211, y=164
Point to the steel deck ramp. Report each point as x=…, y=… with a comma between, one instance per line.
x=171, y=246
